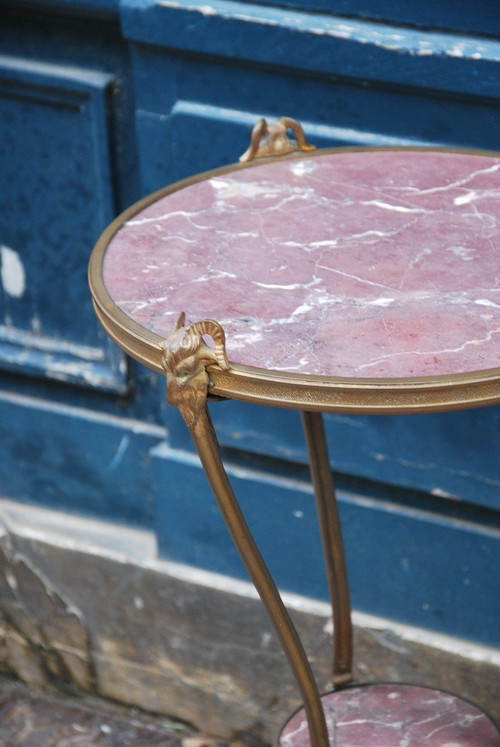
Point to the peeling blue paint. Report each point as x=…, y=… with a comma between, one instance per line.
x=320, y=42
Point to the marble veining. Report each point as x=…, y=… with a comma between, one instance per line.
x=396, y=716
x=364, y=264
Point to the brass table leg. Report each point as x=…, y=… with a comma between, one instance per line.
x=333, y=548
x=206, y=443
x=186, y=357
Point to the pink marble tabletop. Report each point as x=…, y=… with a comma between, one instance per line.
x=396, y=716
x=374, y=264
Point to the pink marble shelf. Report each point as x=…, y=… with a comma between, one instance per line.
x=396, y=716
x=364, y=264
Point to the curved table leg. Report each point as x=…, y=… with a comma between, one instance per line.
x=186, y=358
x=333, y=547
x=206, y=443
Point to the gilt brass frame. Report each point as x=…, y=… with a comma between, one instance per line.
x=281, y=389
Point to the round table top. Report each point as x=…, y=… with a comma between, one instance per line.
x=347, y=279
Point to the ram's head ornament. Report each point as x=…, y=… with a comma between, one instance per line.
x=185, y=358
x=271, y=139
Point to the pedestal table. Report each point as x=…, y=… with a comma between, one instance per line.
x=351, y=280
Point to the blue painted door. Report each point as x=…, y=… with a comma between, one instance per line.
x=102, y=101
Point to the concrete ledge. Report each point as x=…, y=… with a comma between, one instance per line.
x=89, y=603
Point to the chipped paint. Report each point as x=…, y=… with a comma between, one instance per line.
x=61, y=360
x=12, y=272
x=440, y=493
x=122, y=448
x=36, y=325
x=388, y=38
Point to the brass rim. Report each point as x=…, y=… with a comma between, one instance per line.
x=281, y=389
